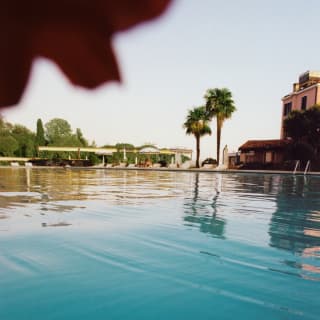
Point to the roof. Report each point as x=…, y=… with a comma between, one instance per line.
x=149, y=150
x=264, y=144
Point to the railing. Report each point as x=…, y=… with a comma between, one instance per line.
x=14, y=159
x=296, y=166
x=307, y=167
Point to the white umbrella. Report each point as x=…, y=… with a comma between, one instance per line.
x=149, y=150
x=124, y=154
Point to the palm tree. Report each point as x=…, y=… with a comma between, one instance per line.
x=219, y=105
x=197, y=123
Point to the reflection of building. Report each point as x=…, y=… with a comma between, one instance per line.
x=295, y=224
x=305, y=94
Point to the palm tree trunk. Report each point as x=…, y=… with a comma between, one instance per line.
x=198, y=150
x=219, y=126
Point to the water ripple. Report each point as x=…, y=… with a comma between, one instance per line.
x=155, y=245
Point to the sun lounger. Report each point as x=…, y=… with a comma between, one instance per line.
x=208, y=166
x=186, y=165
x=121, y=165
x=14, y=164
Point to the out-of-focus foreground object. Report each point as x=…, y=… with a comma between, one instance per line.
x=75, y=34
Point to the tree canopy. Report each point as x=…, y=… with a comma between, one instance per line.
x=17, y=140
x=40, y=138
x=81, y=138
x=219, y=105
x=25, y=139
x=8, y=145
x=57, y=131
x=303, y=127
x=197, y=124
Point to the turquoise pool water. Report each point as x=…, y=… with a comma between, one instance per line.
x=96, y=244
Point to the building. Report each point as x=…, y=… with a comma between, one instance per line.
x=305, y=94
x=263, y=152
x=233, y=160
x=272, y=153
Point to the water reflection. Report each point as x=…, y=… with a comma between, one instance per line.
x=197, y=240
x=52, y=188
x=288, y=205
x=47, y=193
x=202, y=208
x=295, y=224
x=281, y=211
x=22, y=186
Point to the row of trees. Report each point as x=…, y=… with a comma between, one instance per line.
x=219, y=104
x=17, y=140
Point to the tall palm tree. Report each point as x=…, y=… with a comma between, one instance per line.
x=197, y=123
x=219, y=105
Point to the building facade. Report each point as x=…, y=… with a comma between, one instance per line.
x=268, y=153
x=305, y=94
x=263, y=151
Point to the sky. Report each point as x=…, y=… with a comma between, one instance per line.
x=255, y=48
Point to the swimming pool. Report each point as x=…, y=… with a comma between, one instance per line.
x=98, y=244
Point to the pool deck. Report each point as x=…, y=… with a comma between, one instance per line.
x=205, y=170
x=200, y=170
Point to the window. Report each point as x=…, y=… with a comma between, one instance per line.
x=268, y=156
x=304, y=103
x=287, y=108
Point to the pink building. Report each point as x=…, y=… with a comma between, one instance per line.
x=305, y=95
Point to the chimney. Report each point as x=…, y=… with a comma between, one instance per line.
x=296, y=87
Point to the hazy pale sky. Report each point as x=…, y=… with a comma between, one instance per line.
x=255, y=48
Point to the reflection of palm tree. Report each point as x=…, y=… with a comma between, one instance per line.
x=195, y=193
x=297, y=217
x=216, y=196
x=197, y=210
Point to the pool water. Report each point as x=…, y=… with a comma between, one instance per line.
x=104, y=244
